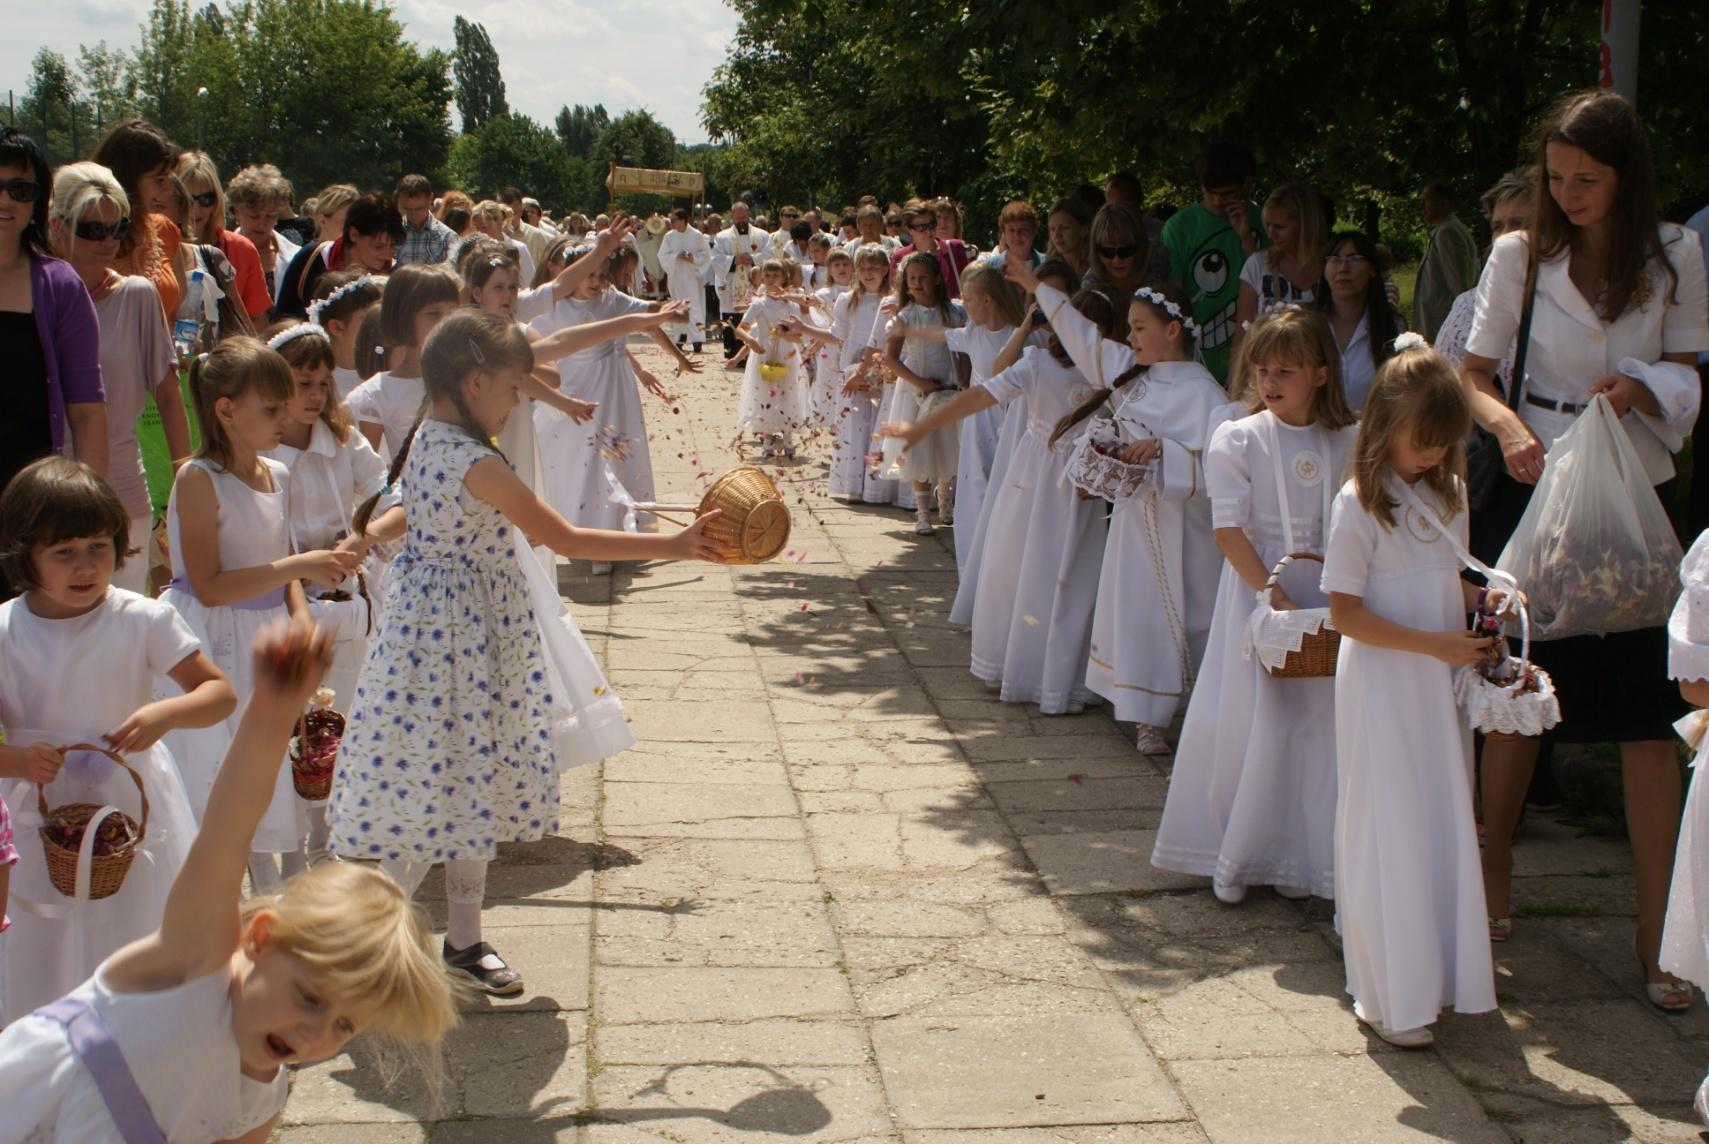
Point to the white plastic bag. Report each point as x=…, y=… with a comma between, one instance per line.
x=1594, y=551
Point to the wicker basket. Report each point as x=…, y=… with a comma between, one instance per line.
x=106, y=871
x=314, y=753
x=1318, y=650
x=754, y=521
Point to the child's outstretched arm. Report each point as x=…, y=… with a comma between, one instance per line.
x=208, y=697
x=198, y=523
x=492, y=480
x=964, y=404
x=199, y=932
x=607, y=241
x=573, y=339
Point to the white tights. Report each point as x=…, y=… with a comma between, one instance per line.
x=268, y=873
x=465, y=887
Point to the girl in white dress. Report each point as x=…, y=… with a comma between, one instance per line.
x=453, y=744
x=852, y=321
x=1037, y=573
x=926, y=380
x=1409, y=891
x=593, y=474
x=1029, y=331
x=826, y=398
x=1685, y=937
x=234, y=567
x=416, y=298
x=333, y=469
x=994, y=308
x=1156, y=591
x=189, y=1030
x=771, y=408
x=341, y=300
x=1251, y=799
x=78, y=663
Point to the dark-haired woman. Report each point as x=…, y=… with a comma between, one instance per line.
x=143, y=159
x=1620, y=309
x=50, y=340
x=372, y=230
x=1352, y=296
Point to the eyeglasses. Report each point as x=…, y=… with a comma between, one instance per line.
x=205, y=199
x=1126, y=250
x=1345, y=260
x=21, y=190
x=930, y=224
x=90, y=231
x=790, y=214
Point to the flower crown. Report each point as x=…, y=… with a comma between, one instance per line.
x=1410, y=339
x=315, y=308
x=1171, y=308
x=302, y=329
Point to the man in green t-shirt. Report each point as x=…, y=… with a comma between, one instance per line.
x=1210, y=241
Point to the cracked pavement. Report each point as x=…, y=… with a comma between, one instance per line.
x=839, y=893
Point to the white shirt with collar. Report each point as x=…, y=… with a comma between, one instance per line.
x=329, y=479
x=1357, y=369
x=1572, y=346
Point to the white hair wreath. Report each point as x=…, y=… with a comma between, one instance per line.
x=315, y=308
x=1171, y=308
x=300, y=330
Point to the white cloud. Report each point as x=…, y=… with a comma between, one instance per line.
x=655, y=54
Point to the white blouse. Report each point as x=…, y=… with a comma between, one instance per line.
x=1572, y=346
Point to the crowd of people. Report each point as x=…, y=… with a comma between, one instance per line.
x=1198, y=468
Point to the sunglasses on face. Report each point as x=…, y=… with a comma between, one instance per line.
x=91, y=231
x=205, y=199
x=1127, y=250
x=930, y=224
x=21, y=190
x=1344, y=260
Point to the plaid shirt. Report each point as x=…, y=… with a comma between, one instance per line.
x=432, y=243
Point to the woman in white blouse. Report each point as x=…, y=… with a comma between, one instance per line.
x=1620, y=309
x=1354, y=297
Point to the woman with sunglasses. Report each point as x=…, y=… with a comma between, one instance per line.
x=1120, y=251
x=49, y=336
x=142, y=159
x=89, y=217
x=923, y=237
x=207, y=227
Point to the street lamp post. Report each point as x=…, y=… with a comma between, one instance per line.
x=201, y=97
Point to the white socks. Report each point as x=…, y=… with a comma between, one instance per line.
x=465, y=887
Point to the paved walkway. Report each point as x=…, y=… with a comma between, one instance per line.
x=840, y=893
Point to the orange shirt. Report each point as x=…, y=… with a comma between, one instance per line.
x=155, y=257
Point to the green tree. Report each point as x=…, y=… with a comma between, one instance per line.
x=514, y=150
x=327, y=89
x=580, y=127
x=480, y=87
x=47, y=108
x=108, y=76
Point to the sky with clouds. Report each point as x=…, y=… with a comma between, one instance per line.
x=655, y=54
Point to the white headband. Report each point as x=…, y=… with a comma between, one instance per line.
x=1173, y=310
x=1409, y=340
x=301, y=329
x=315, y=308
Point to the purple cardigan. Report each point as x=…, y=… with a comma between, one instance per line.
x=70, y=336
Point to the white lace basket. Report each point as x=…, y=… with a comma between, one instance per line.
x=1507, y=710
x=1096, y=469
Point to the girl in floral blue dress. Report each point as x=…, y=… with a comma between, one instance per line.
x=449, y=749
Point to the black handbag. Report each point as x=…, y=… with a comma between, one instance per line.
x=1485, y=465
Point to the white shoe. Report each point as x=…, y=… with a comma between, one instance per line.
x=922, y=524
x=1228, y=893
x=946, y=503
x=1419, y=1038
x=1292, y=893
x=1702, y=1103
x=1150, y=741
x=601, y=569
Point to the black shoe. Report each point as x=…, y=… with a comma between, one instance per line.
x=500, y=982
x=699, y=347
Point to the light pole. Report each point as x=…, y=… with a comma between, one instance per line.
x=201, y=97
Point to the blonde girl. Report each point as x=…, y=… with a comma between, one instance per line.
x=201, y=1018
x=234, y=566
x=1409, y=888
x=837, y=276
x=1251, y=799
x=207, y=227
x=994, y=309
x=771, y=410
x=1289, y=268
x=417, y=297
x=458, y=729
x=342, y=299
x=1156, y=589
x=923, y=372
x=852, y=319
x=79, y=661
